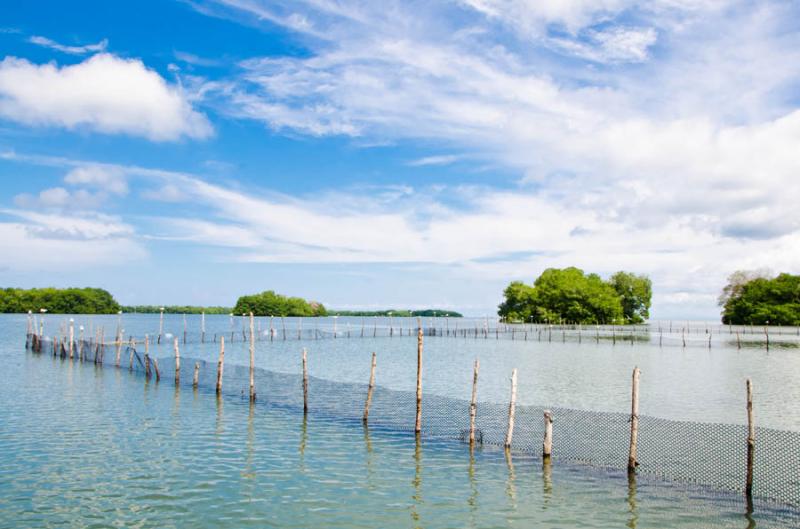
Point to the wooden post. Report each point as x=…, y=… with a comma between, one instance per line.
x=305, y=381
x=473, y=403
x=220, y=363
x=418, y=422
x=632, y=463
x=177, y=363
x=547, y=444
x=370, y=388
x=203, y=327
x=196, y=378
x=155, y=366
x=252, y=362
x=133, y=348
x=751, y=444
x=71, y=338
x=512, y=408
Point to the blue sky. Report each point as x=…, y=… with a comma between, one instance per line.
x=397, y=154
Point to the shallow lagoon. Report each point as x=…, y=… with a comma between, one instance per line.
x=91, y=446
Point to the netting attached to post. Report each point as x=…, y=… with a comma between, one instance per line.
x=707, y=454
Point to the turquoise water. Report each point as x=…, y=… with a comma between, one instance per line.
x=89, y=446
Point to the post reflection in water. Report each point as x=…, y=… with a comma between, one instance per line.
x=303, y=441
x=417, y=482
x=633, y=507
x=472, y=501
x=249, y=471
x=218, y=426
x=368, y=459
x=547, y=482
x=511, y=488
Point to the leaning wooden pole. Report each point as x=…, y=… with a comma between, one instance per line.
x=305, y=381
x=370, y=388
x=220, y=363
x=512, y=409
x=632, y=455
x=418, y=422
x=252, y=361
x=177, y=363
x=751, y=445
x=473, y=403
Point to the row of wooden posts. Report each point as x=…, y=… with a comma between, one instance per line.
x=34, y=341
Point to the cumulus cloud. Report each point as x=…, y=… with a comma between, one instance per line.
x=74, y=50
x=104, y=93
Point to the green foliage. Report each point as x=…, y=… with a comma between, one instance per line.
x=634, y=292
x=427, y=313
x=269, y=303
x=762, y=301
x=570, y=295
x=58, y=301
x=176, y=309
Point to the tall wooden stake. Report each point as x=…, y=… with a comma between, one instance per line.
x=512, y=408
x=370, y=388
x=473, y=403
x=632, y=463
x=72, y=338
x=177, y=363
x=196, y=378
x=418, y=422
x=252, y=362
x=547, y=444
x=220, y=363
x=305, y=381
x=751, y=445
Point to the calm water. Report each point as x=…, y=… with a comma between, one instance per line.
x=86, y=446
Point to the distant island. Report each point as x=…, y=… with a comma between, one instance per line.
x=569, y=295
x=757, y=298
x=175, y=309
x=427, y=313
x=58, y=300
x=99, y=301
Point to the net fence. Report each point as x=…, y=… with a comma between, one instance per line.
x=711, y=455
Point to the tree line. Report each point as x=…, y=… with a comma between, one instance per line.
x=426, y=313
x=58, y=300
x=570, y=295
x=268, y=303
x=175, y=309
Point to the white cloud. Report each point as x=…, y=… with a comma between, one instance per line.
x=58, y=242
x=74, y=50
x=618, y=44
x=442, y=159
x=107, y=178
x=104, y=93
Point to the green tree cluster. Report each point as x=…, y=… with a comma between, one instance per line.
x=751, y=299
x=426, y=313
x=176, y=309
x=58, y=300
x=269, y=303
x=570, y=295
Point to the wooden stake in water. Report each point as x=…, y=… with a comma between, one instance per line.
x=72, y=338
x=473, y=403
x=177, y=363
x=512, y=409
x=196, y=378
x=252, y=362
x=547, y=444
x=305, y=381
x=418, y=421
x=133, y=348
x=632, y=463
x=203, y=327
x=370, y=388
x=220, y=363
x=751, y=445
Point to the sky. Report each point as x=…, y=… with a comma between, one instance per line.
x=403, y=154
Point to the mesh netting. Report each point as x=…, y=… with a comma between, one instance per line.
x=707, y=454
